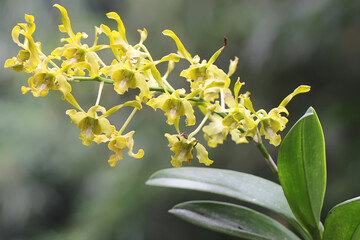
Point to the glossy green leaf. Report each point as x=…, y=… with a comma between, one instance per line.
x=242, y=186
x=302, y=171
x=232, y=219
x=343, y=221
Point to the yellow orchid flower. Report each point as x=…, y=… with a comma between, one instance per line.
x=29, y=58
x=201, y=75
x=183, y=147
x=90, y=124
x=118, y=43
x=274, y=121
x=216, y=132
x=118, y=143
x=125, y=78
x=76, y=52
x=174, y=107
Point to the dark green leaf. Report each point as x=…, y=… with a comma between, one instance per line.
x=302, y=171
x=343, y=221
x=242, y=186
x=232, y=219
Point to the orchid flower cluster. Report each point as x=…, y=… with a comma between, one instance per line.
x=225, y=110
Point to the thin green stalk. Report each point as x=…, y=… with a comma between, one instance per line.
x=128, y=120
x=261, y=147
x=142, y=46
x=200, y=125
x=90, y=79
x=101, y=86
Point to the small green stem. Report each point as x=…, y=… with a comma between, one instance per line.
x=266, y=156
x=52, y=63
x=90, y=79
x=127, y=121
x=101, y=86
x=142, y=46
x=200, y=125
x=99, y=59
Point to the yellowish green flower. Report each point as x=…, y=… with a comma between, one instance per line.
x=274, y=121
x=201, y=75
x=90, y=124
x=118, y=143
x=19, y=62
x=216, y=132
x=174, y=107
x=76, y=52
x=183, y=147
x=29, y=58
x=125, y=78
x=238, y=116
x=118, y=43
x=40, y=84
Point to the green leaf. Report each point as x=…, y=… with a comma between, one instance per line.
x=343, y=221
x=302, y=171
x=242, y=186
x=232, y=219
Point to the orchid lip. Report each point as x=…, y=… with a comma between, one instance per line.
x=88, y=132
x=270, y=132
x=72, y=60
x=122, y=83
x=172, y=112
x=182, y=154
x=42, y=87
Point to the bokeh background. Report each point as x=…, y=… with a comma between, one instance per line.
x=53, y=187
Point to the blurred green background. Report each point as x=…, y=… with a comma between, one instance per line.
x=53, y=187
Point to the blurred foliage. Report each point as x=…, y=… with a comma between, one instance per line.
x=53, y=187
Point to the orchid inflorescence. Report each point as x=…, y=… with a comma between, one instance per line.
x=225, y=111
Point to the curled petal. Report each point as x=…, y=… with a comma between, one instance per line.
x=65, y=88
x=202, y=155
x=171, y=57
x=112, y=110
x=75, y=116
x=215, y=132
x=300, y=89
x=232, y=66
x=130, y=145
x=121, y=27
x=184, y=53
x=66, y=26
x=238, y=137
x=214, y=57
x=157, y=102
x=30, y=19
x=143, y=35
x=119, y=143
x=106, y=127
x=15, y=36
x=189, y=113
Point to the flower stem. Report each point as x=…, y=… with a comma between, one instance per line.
x=267, y=157
x=101, y=86
x=97, y=79
x=200, y=125
x=128, y=120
